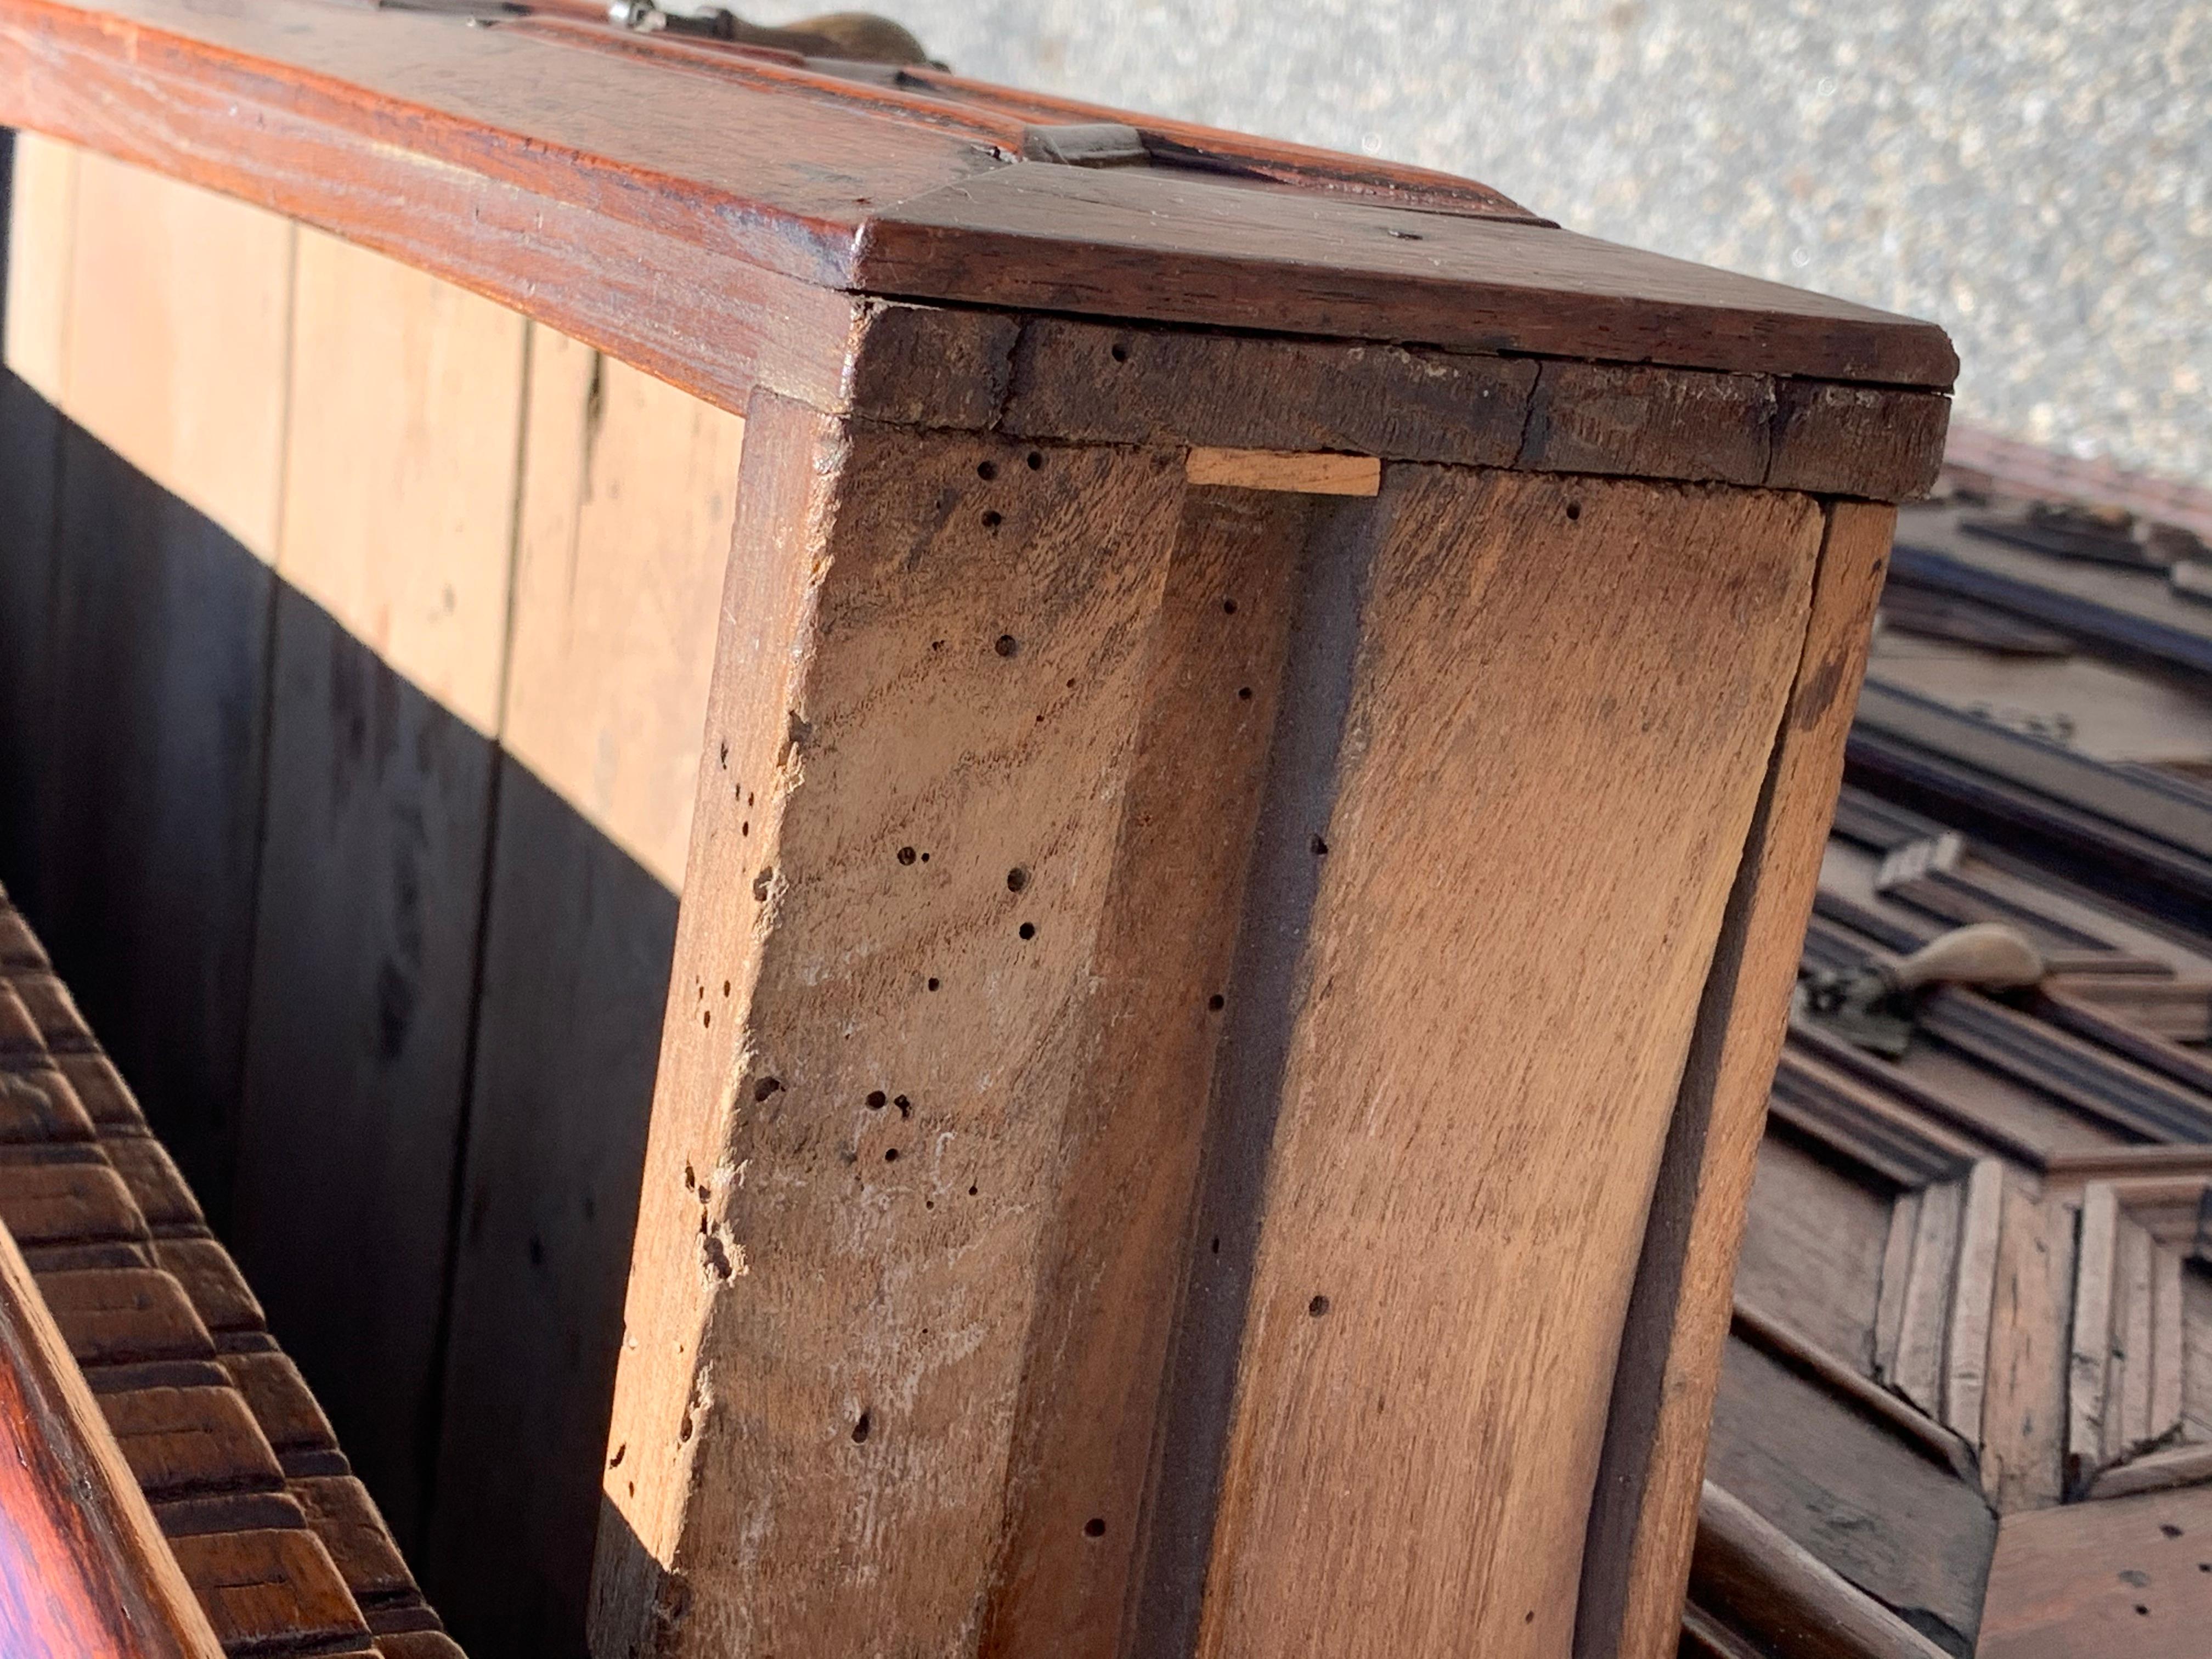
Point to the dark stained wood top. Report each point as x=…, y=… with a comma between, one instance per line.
x=577, y=171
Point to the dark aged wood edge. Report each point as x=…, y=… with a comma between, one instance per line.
x=609, y=250
x=1078, y=381
x=118, y=1559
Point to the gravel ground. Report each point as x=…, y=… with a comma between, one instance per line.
x=2036, y=177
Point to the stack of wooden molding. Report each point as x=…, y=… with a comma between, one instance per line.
x=1967, y=1399
x=106, y=1257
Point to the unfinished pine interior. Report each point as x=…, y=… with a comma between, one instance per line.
x=906, y=899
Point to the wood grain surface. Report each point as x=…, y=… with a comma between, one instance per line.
x=1644, y=1515
x=629, y=497
x=1444, y=1258
x=84, y=1573
x=920, y=748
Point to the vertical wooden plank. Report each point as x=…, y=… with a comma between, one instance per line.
x=399, y=495
x=1457, y=1197
x=1643, y=1519
x=390, y=651
x=41, y=219
x=2089, y=1364
x=931, y=676
x=1119, y=1244
x=1967, y=1346
x=1896, y=1280
x=2024, y=1413
x=628, y=495
x=173, y=363
x=2169, y=1342
x=178, y=328
x=2129, y=1426
x=628, y=507
x=1919, y=1373
x=41, y=228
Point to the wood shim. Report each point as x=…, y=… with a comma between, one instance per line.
x=1273, y=469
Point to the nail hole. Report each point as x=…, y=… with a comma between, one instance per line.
x=1027, y=930
x=2169, y=1529
x=1229, y=607
x=891, y=1154
x=1243, y=694
x=877, y=1100
x=1320, y=847
x=1574, y=509
x=1006, y=645
x=860, y=1429
x=765, y=1087
x=2142, y=1610
x=971, y=1192
x=992, y=520
x=1214, y=1002
x=1093, y=1527
x=906, y=855
x=1318, y=1306
x=1017, y=879
x=1120, y=353
x=1217, y=1243
x=932, y=985
x=1037, y=460
x=986, y=471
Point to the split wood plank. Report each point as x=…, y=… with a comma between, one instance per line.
x=1644, y=1514
x=179, y=321
x=1300, y=474
x=629, y=496
x=1966, y=1344
x=1245, y=581
x=1896, y=1280
x=1377, y=1339
x=1918, y=1375
x=389, y=642
x=84, y=1572
x=2096, y=1262
x=880, y=1012
x=2128, y=1390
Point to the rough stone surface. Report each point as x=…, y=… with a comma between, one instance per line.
x=2036, y=177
